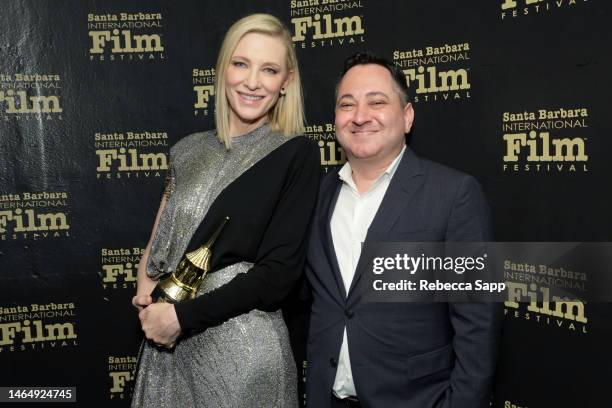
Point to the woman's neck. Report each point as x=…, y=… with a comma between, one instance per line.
x=239, y=128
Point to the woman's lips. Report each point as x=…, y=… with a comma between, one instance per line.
x=249, y=99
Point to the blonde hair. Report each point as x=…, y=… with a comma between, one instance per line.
x=287, y=115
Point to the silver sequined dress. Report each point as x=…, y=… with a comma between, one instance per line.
x=246, y=361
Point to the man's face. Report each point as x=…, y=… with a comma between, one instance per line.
x=370, y=119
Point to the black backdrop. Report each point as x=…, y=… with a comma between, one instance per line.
x=87, y=115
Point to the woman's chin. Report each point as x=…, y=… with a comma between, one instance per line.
x=250, y=118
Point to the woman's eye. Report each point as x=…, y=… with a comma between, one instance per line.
x=271, y=71
x=239, y=64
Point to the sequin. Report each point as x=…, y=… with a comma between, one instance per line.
x=201, y=168
x=246, y=361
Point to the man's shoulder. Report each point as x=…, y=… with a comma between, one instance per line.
x=445, y=182
x=435, y=171
x=439, y=169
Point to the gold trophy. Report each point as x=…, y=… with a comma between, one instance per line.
x=184, y=282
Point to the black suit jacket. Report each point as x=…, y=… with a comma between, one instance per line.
x=403, y=354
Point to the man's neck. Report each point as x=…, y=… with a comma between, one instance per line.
x=365, y=172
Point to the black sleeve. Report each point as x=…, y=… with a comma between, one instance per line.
x=280, y=256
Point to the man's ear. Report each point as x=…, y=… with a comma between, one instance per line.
x=408, y=117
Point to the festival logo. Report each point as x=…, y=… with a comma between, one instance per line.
x=37, y=327
x=529, y=295
x=331, y=152
x=34, y=216
x=125, y=37
x=327, y=23
x=204, y=91
x=545, y=140
x=511, y=404
x=511, y=9
x=119, y=267
x=131, y=155
x=30, y=97
x=436, y=73
x=121, y=376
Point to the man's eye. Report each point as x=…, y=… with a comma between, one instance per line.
x=378, y=103
x=345, y=105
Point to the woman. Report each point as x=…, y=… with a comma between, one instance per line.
x=229, y=347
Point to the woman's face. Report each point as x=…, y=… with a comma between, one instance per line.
x=255, y=75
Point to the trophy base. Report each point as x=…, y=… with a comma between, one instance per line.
x=159, y=296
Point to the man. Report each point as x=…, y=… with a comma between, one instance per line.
x=367, y=354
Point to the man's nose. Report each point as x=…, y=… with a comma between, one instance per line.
x=361, y=114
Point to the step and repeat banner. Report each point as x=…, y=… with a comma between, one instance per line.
x=94, y=93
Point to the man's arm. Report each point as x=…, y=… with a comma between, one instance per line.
x=477, y=325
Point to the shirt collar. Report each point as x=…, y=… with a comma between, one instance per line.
x=346, y=173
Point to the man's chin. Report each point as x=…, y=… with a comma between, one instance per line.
x=363, y=151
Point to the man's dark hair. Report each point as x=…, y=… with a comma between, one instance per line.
x=364, y=58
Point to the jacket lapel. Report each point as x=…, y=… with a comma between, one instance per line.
x=404, y=184
x=325, y=227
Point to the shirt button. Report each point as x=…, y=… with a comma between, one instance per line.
x=333, y=362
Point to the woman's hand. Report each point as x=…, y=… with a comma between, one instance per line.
x=141, y=301
x=160, y=324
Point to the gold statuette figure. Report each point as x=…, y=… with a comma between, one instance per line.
x=184, y=282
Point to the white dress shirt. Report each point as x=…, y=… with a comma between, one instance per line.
x=350, y=221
